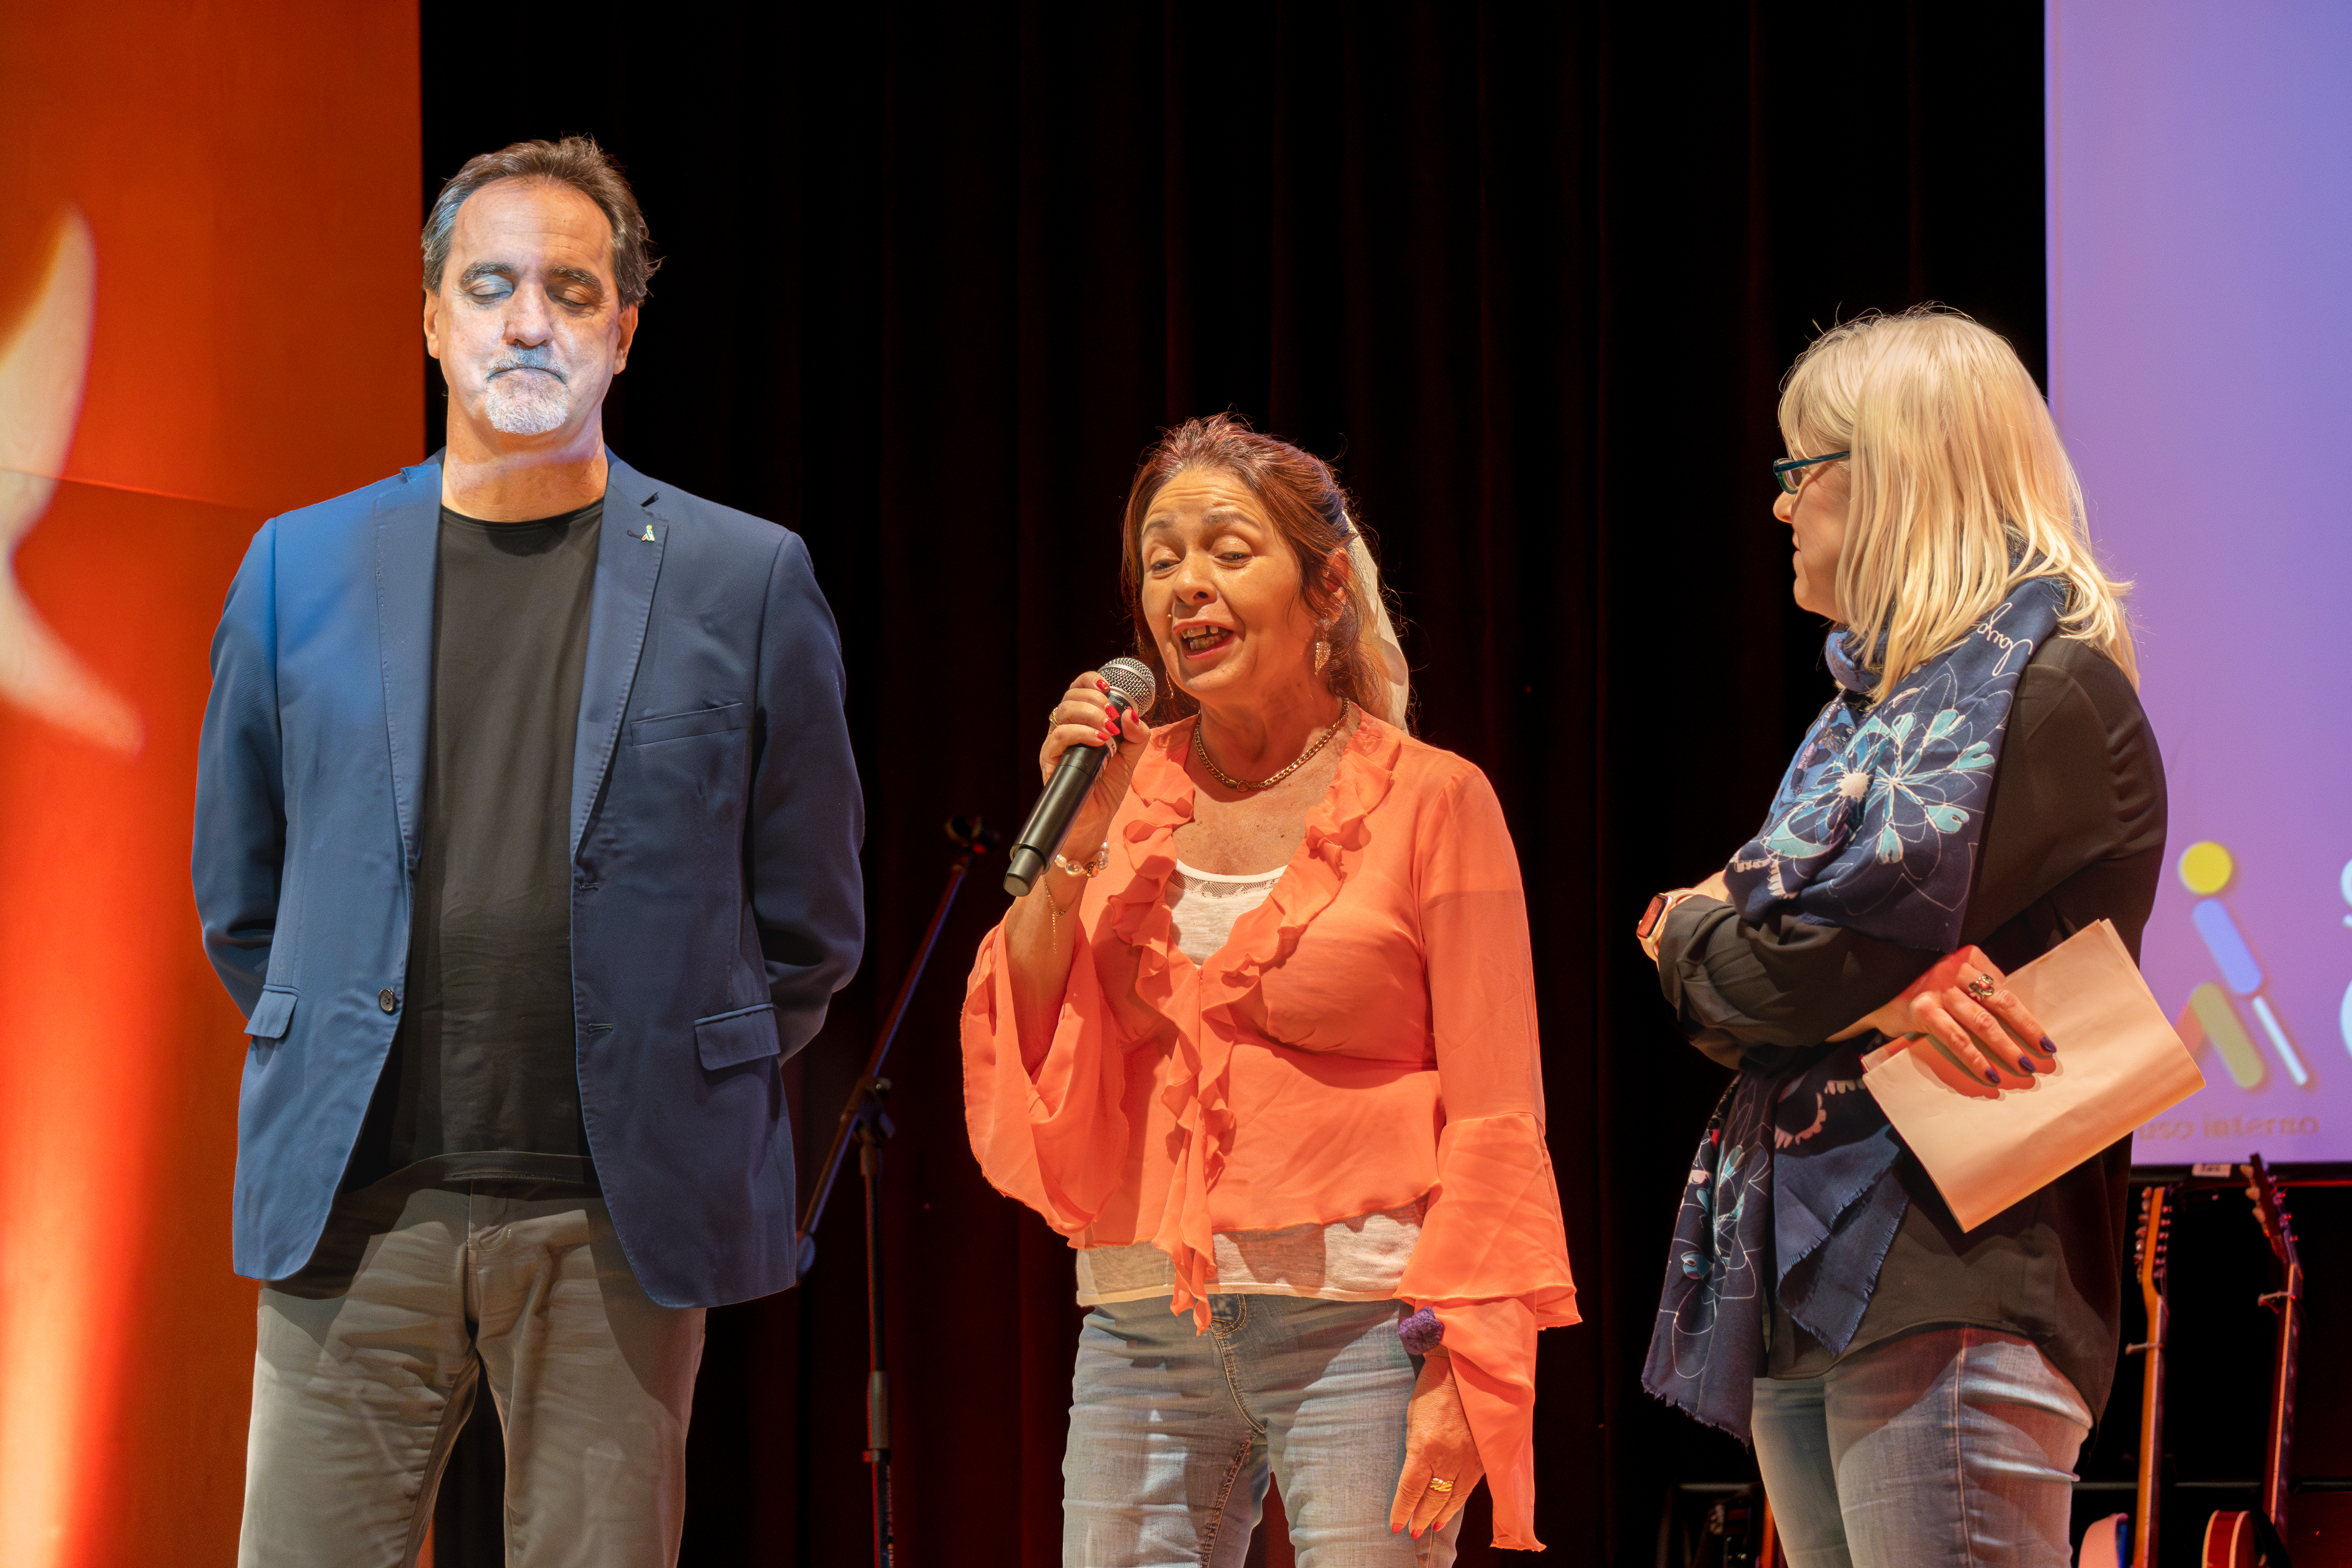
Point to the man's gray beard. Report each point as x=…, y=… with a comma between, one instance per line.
x=523, y=403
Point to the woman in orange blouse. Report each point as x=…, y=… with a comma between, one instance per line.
x=1268, y=1057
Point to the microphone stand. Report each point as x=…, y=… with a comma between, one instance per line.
x=864, y=1123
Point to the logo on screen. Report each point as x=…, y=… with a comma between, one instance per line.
x=2206, y=869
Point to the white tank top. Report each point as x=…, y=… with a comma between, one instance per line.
x=1206, y=905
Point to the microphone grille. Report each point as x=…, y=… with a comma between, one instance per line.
x=1132, y=678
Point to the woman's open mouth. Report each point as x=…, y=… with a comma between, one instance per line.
x=1197, y=641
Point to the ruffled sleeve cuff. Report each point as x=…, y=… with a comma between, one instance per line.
x=1492, y=1263
x=1054, y=1135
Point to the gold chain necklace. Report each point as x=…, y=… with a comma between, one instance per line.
x=1200, y=746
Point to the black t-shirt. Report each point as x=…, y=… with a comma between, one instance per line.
x=2073, y=835
x=483, y=1078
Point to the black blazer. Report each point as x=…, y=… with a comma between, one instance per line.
x=2075, y=834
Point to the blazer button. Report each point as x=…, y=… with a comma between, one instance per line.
x=387, y=1001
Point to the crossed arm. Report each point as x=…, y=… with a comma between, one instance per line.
x=1761, y=995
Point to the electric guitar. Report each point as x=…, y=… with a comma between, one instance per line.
x=2242, y=1539
x=2112, y=1542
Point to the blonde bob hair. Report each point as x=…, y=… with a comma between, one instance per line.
x=1960, y=488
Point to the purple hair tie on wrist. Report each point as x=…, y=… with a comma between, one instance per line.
x=1421, y=1332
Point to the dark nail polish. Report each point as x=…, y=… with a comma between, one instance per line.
x=1992, y=1077
x=2025, y=1064
x=2049, y=1046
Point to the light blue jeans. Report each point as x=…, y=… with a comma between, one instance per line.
x=1947, y=1447
x=1172, y=1433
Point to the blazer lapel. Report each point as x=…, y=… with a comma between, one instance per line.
x=628, y=562
x=407, y=539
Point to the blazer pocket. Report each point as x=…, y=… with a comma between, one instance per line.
x=681, y=726
x=730, y=1039
x=275, y=1011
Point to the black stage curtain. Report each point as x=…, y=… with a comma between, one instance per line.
x=1529, y=274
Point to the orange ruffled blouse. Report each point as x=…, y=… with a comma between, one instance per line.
x=1366, y=1038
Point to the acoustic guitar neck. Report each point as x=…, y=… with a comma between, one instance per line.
x=2148, y=1247
x=2278, y=1229
x=2255, y=1538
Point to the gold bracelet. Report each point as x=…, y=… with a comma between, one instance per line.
x=1091, y=869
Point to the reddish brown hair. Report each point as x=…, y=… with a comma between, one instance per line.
x=1303, y=500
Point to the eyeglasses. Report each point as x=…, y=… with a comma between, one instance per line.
x=1784, y=472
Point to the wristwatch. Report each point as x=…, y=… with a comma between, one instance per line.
x=1654, y=919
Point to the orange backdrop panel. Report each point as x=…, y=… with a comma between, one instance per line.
x=250, y=170
x=249, y=178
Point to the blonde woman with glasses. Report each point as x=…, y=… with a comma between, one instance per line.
x=1983, y=785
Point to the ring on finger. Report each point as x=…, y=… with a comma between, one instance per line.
x=1981, y=988
x=1438, y=1485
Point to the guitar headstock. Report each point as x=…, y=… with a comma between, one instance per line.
x=2270, y=1211
x=2150, y=1243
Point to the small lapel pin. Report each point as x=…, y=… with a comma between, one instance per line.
x=648, y=535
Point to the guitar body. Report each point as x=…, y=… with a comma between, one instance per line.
x=2106, y=1544
x=2230, y=1540
x=2242, y=1539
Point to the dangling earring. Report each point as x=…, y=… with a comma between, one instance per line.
x=1322, y=645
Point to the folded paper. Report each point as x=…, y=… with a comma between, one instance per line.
x=2119, y=1064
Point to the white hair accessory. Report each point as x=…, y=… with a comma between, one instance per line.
x=1380, y=639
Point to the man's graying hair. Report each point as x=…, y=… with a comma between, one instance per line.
x=577, y=162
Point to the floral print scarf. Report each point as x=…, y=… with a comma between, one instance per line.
x=1875, y=830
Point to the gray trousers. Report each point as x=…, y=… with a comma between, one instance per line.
x=370, y=1359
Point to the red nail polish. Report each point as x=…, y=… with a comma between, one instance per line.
x=1102, y=685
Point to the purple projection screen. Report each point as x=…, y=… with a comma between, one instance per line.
x=2199, y=193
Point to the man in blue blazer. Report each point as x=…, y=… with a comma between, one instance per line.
x=527, y=836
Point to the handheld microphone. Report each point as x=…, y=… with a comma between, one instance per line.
x=1131, y=690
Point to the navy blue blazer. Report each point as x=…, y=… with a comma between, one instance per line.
x=716, y=899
